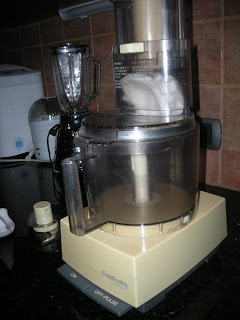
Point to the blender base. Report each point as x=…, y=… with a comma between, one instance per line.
x=138, y=272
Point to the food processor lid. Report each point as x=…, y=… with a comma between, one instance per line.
x=112, y=126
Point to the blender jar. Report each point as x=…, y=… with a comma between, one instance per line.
x=76, y=83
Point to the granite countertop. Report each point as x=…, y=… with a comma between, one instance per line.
x=31, y=288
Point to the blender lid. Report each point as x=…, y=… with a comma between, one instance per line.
x=113, y=126
x=70, y=47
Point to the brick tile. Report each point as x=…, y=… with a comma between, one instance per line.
x=50, y=90
x=93, y=106
x=231, y=124
x=33, y=59
x=103, y=23
x=210, y=102
x=47, y=62
x=106, y=98
x=207, y=39
x=231, y=7
x=206, y=9
x=232, y=52
x=30, y=35
x=231, y=169
x=51, y=30
x=76, y=28
x=103, y=51
x=15, y=57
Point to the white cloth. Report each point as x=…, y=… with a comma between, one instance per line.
x=7, y=225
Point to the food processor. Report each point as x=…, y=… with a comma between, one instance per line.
x=146, y=226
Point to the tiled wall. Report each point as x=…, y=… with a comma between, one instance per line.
x=216, y=35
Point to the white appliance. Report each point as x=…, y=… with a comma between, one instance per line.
x=19, y=88
x=43, y=115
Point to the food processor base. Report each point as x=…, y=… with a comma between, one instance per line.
x=124, y=272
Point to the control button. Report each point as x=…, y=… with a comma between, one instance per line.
x=75, y=278
x=107, y=300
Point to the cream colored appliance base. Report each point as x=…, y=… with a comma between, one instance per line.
x=137, y=269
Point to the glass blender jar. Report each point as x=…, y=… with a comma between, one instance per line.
x=75, y=82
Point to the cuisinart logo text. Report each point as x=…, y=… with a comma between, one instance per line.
x=111, y=277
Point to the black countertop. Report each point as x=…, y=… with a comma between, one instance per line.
x=31, y=288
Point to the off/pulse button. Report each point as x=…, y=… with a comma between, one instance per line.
x=97, y=294
x=107, y=300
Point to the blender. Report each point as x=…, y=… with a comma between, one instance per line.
x=77, y=82
x=146, y=226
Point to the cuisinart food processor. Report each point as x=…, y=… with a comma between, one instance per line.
x=146, y=226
